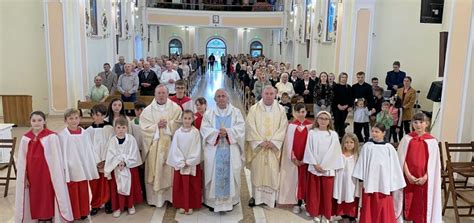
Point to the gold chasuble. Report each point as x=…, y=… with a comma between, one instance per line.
x=265, y=123
x=156, y=144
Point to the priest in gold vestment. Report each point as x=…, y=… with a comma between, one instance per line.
x=158, y=122
x=265, y=133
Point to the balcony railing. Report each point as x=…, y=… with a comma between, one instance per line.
x=215, y=5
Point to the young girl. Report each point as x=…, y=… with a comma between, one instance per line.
x=184, y=156
x=116, y=110
x=40, y=185
x=293, y=170
x=323, y=156
x=361, y=119
x=201, y=106
x=100, y=132
x=346, y=188
x=121, y=165
x=379, y=170
x=419, y=156
x=80, y=162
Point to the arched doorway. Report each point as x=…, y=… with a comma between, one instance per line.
x=256, y=49
x=175, y=47
x=217, y=47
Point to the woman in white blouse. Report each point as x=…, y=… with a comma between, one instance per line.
x=285, y=86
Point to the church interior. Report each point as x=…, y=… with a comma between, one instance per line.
x=56, y=56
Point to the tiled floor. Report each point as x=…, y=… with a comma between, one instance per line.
x=206, y=88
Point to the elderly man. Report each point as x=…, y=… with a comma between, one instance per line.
x=155, y=67
x=109, y=78
x=128, y=85
x=148, y=80
x=158, y=122
x=99, y=92
x=168, y=77
x=119, y=68
x=265, y=133
x=223, y=131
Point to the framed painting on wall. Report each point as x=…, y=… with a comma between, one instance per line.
x=330, y=20
x=308, y=19
x=94, y=31
x=118, y=20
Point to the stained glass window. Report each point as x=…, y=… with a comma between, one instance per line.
x=256, y=49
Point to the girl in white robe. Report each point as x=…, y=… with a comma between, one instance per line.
x=346, y=188
x=323, y=155
x=184, y=156
x=121, y=165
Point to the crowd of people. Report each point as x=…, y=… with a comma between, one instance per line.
x=177, y=150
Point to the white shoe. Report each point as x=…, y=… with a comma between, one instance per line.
x=296, y=209
x=307, y=214
x=190, y=212
x=317, y=219
x=132, y=211
x=116, y=214
x=181, y=211
x=325, y=220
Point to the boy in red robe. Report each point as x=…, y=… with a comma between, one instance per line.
x=38, y=194
x=293, y=170
x=185, y=102
x=100, y=132
x=121, y=165
x=80, y=162
x=184, y=156
x=419, y=156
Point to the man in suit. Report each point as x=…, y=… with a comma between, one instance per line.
x=109, y=79
x=148, y=80
x=394, y=79
x=119, y=68
x=305, y=87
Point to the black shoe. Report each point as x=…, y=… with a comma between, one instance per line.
x=94, y=211
x=252, y=202
x=83, y=218
x=108, y=208
x=211, y=209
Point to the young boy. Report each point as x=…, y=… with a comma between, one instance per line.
x=386, y=119
x=286, y=103
x=137, y=133
x=418, y=153
x=185, y=102
x=100, y=132
x=184, y=156
x=293, y=170
x=123, y=158
x=80, y=161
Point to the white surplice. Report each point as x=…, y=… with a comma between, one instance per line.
x=100, y=137
x=265, y=123
x=126, y=152
x=323, y=148
x=156, y=143
x=53, y=156
x=236, y=136
x=185, y=149
x=346, y=187
x=80, y=159
x=379, y=169
x=136, y=132
x=433, y=212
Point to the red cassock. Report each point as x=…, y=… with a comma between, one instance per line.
x=120, y=202
x=187, y=190
x=349, y=209
x=319, y=199
x=299, y=144
x=197, y=120
x=41, y=189
x=378, y=207
x=183, y=102
x=100, y=189
x=415, y=202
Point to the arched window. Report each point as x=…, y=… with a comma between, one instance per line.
x=256, y=49
x=175, y=47
x=217, y=47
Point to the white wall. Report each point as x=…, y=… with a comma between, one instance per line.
x=399, y=35
x=22, y=56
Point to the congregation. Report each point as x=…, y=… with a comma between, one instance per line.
x=292, y=138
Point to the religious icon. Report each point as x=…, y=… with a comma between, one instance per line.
x=215, y=19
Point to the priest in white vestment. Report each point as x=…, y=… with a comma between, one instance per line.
x=223, y=132
x=265, y=133
x=158, y=122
